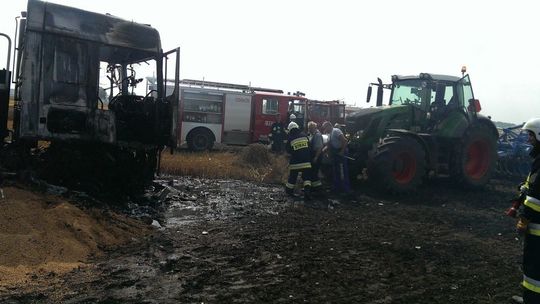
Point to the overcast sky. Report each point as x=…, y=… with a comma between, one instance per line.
x=333, y=49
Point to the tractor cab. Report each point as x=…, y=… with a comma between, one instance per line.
x=430, y=102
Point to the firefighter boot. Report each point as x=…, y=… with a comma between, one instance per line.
x=307, y=193
x=289, y=192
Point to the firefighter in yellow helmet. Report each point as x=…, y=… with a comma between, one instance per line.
x=529, y=219
x=300, y=161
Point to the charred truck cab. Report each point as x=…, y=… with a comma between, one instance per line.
x=430, y=126
x=76, y=86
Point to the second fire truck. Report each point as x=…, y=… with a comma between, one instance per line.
x=234, y=114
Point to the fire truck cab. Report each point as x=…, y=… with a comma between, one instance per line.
x=321, y=111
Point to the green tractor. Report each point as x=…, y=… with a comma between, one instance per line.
x=430, y=127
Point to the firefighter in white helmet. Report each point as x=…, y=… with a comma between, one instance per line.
x=300, y=161
x=529, y=218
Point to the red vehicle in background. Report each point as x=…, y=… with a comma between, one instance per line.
x=236, y=114
x=321, y=111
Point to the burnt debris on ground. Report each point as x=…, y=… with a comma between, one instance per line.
x=226, y=241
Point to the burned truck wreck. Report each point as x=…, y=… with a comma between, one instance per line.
x=76, y=88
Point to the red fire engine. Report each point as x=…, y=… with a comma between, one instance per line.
x=236, y=114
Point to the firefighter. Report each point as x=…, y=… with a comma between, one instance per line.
x=529, y=219
x=277, y=135
x=298, y=118
x=298, y=148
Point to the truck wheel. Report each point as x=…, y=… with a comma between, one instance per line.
x=475, y=158
x=398, y=166
x=200, y=140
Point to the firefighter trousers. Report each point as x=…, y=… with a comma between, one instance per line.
x=293, y=176
x=531, y=268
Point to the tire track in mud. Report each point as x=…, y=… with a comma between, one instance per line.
x=236, y=242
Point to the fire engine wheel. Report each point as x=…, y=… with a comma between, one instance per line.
x=399, y=165
x=475, y=158
x=200, y=139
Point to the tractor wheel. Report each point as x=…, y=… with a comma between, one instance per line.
x=475, y=157
x=399, y=165
x=200, y=140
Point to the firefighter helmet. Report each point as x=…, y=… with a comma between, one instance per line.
x=292, y=125
x=533, y=125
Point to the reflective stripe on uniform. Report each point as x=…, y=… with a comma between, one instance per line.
x=299, y=143
x=534, y=229
x=316, y=183
x=532, y=203
x=531, y=284
x=526, y=185
x=299, y=166
x=289, y=185
x=307, y=183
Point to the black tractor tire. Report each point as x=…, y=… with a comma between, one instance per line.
x=475, y=157
x=398, y=166
x=200, y=140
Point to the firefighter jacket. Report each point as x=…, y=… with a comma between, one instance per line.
x=531, y=213
x=277, y=132
x=298, y=147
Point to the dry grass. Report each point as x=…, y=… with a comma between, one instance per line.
x=252, y=163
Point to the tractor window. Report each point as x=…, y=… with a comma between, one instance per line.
x=410, y=92
x=443, y=94
x=269, y=106
x=450, y=98
x=464, y=91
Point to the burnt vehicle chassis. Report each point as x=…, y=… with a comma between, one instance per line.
x=63, y=55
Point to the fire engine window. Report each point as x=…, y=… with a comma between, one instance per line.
x=269, y=106
x=320, y=111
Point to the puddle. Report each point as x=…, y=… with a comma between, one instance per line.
x=192, y=200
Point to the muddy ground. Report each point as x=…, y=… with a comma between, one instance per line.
x=224, y=241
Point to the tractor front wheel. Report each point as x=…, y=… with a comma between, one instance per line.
x=399, y=165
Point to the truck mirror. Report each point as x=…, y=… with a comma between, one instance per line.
x=368, y=94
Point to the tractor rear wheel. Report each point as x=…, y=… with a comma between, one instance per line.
x=475, y=157
x=399, y=165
